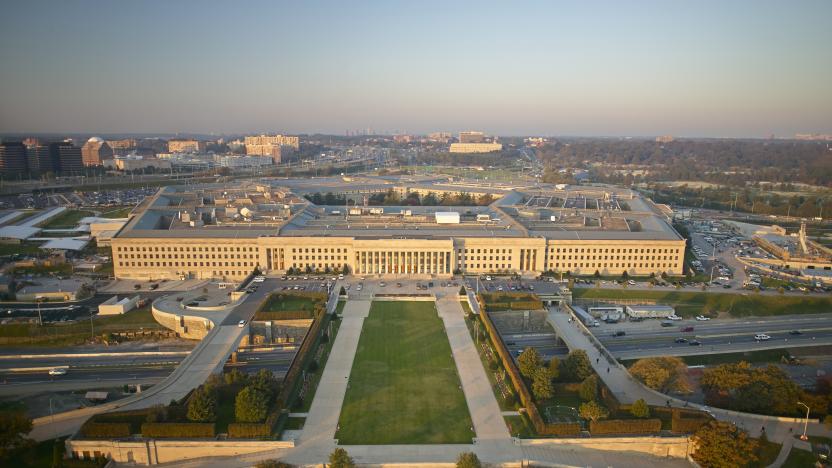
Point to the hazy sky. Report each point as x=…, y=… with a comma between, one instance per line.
x=691, y=68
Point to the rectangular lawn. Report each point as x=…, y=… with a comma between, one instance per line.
x=404, y=387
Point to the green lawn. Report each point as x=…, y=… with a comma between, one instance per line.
x=74, y=333
x=38, y=455
x=800, y=459
x=689, y=304
x=404, y=388
x=117, y=212
x=291, y=306
x=520, y=426
x=766, y=454
x=25, y=248
x=67, y=219
x=316, y=376
x=486, y=363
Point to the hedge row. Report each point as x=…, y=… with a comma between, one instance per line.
x=685, y=422
x=261, y=430
x=285, y=315
x=523, y=305
x=508, y=363
x=561, y=429
x=105, y=430
x=178, y=430
x=625, y=426
x=305, y=352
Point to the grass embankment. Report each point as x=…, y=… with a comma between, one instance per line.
x=404, y=388
x=767, y=452
x=690, y=304
x=68, y=219
x=67, y=334
x=121, y=212
x=24, y=248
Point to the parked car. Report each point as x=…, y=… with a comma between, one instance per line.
x=674, y=317
x=702, y=318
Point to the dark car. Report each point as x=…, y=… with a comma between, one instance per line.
x=619, y=333
x=694, y=343
x=681, y=340
x=795, y=332
x=687, y=329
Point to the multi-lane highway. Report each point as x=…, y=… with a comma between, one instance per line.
x=649, y=338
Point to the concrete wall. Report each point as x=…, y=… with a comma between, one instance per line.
x=675, y=447
x=194, y=328
x=154, y=451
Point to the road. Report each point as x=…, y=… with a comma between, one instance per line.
x=649, y=338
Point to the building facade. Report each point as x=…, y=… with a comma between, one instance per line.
x=475, y=147
x=13, y=160
x=186, y=146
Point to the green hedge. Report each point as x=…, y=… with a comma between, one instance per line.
x=625, y=426
x=105, y=430
x=178, y=430
x=307, y=347
x=249, y=431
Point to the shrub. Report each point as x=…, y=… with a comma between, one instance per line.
x=178, y=430
x=313, y=366
x=105, y=430
x=640, y=409
x=576, y=367
x=592, y=411
x=271, y=464
x=339, y=458
x=542, y=383
x=528, y=362
x=625, y=426
x=509, y=400
x=249, y=430
x=560, y=429
x=686, y=422
x=468, y=460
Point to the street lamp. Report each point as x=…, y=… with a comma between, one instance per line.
x=805, y=421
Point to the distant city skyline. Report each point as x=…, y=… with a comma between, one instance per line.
x=607, y=68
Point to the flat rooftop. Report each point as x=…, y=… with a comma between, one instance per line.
x=281, y=207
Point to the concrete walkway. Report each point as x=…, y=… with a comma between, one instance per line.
x=784, y=453
x=318, y=437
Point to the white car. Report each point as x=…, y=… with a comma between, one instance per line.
x=58, y=371
x=674, y=317
x=702, y=318
x=241, y=323
x=761, y=337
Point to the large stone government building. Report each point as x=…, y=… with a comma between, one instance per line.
x=224, y=232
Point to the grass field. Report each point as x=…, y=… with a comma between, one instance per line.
x=291, y=306
x=74, y=333
x=766, y=454
x=799, y=459
x=404, y=388
x=67, y=219
x=117, y=212
x=689, y=304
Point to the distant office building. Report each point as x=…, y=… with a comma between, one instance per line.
x=471, y=137
x=13, y=162
x=275, y=152
x=137, y=163
x=95, y=151
x=59, y=158
x=475, y=147
x=186, y=146
x=813, y=136
x=402, y=138
x=123, y=146
x=536, y=141
x=664, y=139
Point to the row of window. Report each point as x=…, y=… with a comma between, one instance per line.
x=611, y=257
x=185, y=249
x=184, y=264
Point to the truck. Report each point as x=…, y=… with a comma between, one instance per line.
x=585, y=318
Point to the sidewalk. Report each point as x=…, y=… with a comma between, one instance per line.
x=318, y=437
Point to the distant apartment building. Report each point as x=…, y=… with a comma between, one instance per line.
x=280, y=140
x=471, y=137
x=475, y=147
x=813, y=136
x=95, y=151
x=402, y=139
x=664, y=139
x=137, y=163
x=13, y=161
x=536, y=141
x=123, y=146
x=273, y=146
x=186, y=146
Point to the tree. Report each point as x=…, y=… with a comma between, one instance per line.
x=554, y=366
x=202, y=407
x=272, y=464
x=57, y=454
x=665, y=374
x=528, y=362
x=250, y=405
x=468, y=460
x=576, y=367
x=339, y=458
x=589, y=388
x=640, y=409
x=542, y=383
x=722, y=445
x=592, y=411
x=462, y=290
x=265, y=382
x=14, y=425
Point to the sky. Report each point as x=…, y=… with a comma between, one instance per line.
x=738, y=68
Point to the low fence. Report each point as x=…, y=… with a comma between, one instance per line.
x=153, y=451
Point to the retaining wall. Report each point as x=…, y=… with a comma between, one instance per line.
x=156, y=451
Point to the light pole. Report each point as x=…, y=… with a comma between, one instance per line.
x=805, y=421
